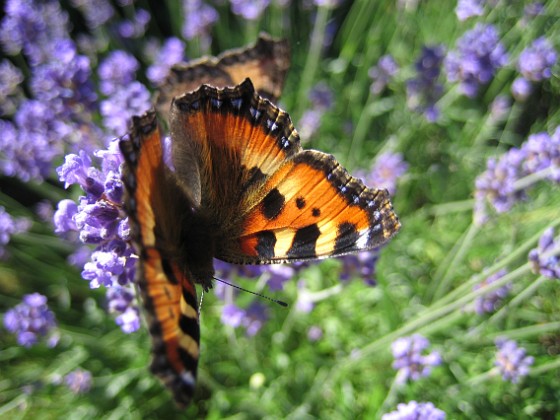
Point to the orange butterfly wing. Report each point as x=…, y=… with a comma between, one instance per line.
x=168, y=294
x=271, y=200
x=265, y=62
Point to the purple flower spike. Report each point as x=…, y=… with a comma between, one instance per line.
x=545, y=259
x=31, y=320
x=409, y=360
x=511, y=360
x=382, y=73
x=127, y=101
x=490, y=301
x=118, y=69
x=249, y=9
x=469, y=8
x=171, y=53
x=252, y=318
x=479, y=55
x=415, y=411
x=198, y=20
x=78, y=381
x=536, y=61
x=387, y=170
x=64, y=217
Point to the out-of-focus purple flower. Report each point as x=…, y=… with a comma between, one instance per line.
x=135, y=28
x=386, y=171
x=512, y=361
x=10, y=90
x=78, y=381
x=305, y=301
x=536, y=61
x=121, y=301
x=309, y=123
x=96, y=12
x=490, y=301
x=252, y=318
x=314, y=333
x=469, y=8
x=321, y=97
x=543, y=153
x=33, y=27
x=521, y=88
x=129, y=100
x=382, y=73
x=28, y=148
x=64, y=217
x=415, y=411
x=423, y=91
x=534, y=9
x=479, y=55
x=409, y=360
x=171, y=53
x=80, y=256
x=10, y=226
x=545, y=259
x=117, y=69
x=497, y=184
x=129, y=320
x=31, y=320
x=278, y=275
x=199, y=18
x=249, y=9
x=360, y=265
x=327, y=3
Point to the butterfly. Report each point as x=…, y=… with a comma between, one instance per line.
x=242, y=190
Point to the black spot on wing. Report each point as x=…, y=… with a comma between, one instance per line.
x=300, y=202
x=304, y=242
x=316, y=212
x=273, y=204
x=346, y=237
x=265, y=244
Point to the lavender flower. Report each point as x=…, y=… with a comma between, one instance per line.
x=479, y=55
x=511, y=360
x=31, y=320
x=10, y=89
x=409, y=360
x=249, y=9
x=127, y=101
x=321, y=98
x=360, y=265
x=31, y=27
x=199, y=18
x=96, y=12
x=118, y=69
x=134, y=28
x=314, y=333
x=415, y=411
x=536, y=61
x=497, y=184
x=534, y=9
x=499, y=108
x=78, y=381
x=386, y=171
x=490, y=301
x=252, y=318
x=545, y=259
x=542, y=154
x=278, y=275
x=309, y=123
x=305, y=301
x=10, y=226
x=469, y=8
x=424, y=90
x=171, y=53
x=382, y=73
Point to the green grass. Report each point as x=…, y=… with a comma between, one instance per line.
x=425, y=275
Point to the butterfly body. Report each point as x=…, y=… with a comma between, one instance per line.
x=242, y=190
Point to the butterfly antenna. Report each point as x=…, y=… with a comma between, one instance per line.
x=200, y=303
x=279, y=302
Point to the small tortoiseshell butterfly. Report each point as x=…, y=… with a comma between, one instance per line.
x=242, y=190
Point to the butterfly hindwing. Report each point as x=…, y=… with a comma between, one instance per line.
x=272, y=200
x=168, y=294
x=265, y=62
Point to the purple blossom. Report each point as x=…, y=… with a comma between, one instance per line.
x=122, y=301
x=305, y=301
x=10, y=226
x=382, y=73
x=469, y=8
x=249, y=9
x=96, y=12
x=32, y=27
x=321, y=97
x=10, y=87
x=278, y=275
x=252, y=318
x=511, y=360
x=199, y=18
x=171, y=53
x=127, y=101
x=135, y=28
x=490, y=301
x=78, y=381
x=77, y=169
x=31, y=320
x=314, y=333
x=497, y=184
x=479, y=55
x=536, y=61
x=388, y=168
x=534, y=9
x=64, y=217
x=415, y=411
x=500, y=107
x=545, y=258
x=423, y=91
x=543, y=153
x=309, y=123
x=409, y=360
x=360, y=265
x=80, y=256
x=117, y=69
